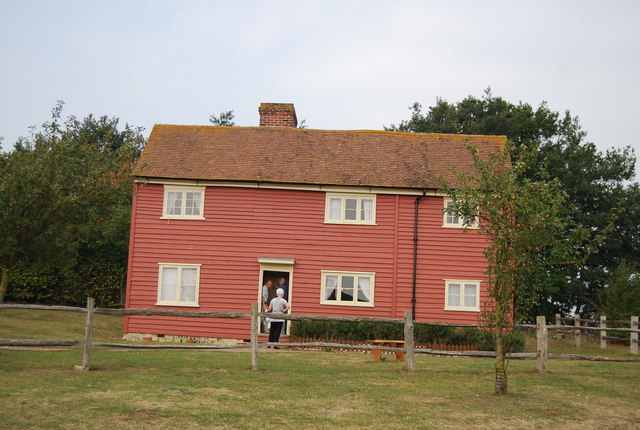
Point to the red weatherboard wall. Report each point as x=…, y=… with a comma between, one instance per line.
x=242, y=224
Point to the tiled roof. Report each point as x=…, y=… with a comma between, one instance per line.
x=303, y=156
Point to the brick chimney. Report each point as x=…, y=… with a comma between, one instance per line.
x=277, y=115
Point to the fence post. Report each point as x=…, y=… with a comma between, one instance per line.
x=603, y=334
x=558, y=322
x=541, y=350
x=633, y=344
x=255, y=329
x=578, y=333
x=409, y=358
x=88, y=329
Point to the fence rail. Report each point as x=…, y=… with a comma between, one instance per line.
x=603, y=328
x=409, y=347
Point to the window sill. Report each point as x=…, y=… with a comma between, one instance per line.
x=461, y=309
x=355, y=305
x=460, y=227
x=349, y=223
x=179, y=305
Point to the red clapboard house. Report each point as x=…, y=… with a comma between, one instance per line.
x=353, y=220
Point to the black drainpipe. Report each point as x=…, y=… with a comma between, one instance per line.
x=415, y=255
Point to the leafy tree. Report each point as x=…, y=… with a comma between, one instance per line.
x=620, y=299
x=527, y=230
x=598, y=185
x=598, y=189
x=65, y=192
x=224, y=119
x=490, y=115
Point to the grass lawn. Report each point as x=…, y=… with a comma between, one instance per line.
x=316, y=390
x=32, y=324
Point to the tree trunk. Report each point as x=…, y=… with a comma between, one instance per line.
x=4, y=283
x=501, y=369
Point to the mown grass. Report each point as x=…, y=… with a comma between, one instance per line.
x=37, y=324
x=316, y=390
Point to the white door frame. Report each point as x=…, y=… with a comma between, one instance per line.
x=271, y=264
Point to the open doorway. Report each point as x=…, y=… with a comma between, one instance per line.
x=274, y=280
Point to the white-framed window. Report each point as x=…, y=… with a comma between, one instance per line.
x=350, y=209
x=451, y=218
x=347, y=288
x=183, y=202
x=462, y=295
x=178, y=284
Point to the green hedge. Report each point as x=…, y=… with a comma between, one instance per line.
x=331, y=330
x=100, y=280
x=514, y=341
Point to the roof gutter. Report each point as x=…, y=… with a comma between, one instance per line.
x=334, y=188
x=415, y=254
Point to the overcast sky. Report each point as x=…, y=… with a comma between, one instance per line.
x=344, y=64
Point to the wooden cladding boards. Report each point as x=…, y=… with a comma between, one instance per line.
x=242, y=224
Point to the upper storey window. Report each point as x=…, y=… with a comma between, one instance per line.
x=453, y=219
x=350, y=209
x=183, y=202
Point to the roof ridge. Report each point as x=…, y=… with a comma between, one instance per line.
x=307, y=130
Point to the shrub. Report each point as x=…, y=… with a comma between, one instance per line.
x=333, y=330
x=33, y=286
x=100, y=280
x=514, y=341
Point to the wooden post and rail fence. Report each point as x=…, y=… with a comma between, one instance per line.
x=405, y=348
x=598, y=325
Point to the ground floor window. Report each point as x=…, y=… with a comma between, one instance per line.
x=178, y=284
x=347, y=288
x=462, y=295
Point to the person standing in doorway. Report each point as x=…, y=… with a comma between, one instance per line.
x=277, y=306
x=268, y=293
x=282, y=284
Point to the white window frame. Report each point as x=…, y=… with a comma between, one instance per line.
x=179, y=267
x=451, y=219
x=354, y=302
x=461, y=296
x=329, y=219
x=182, y=189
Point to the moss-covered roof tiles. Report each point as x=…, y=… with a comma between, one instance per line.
x=302, y=156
